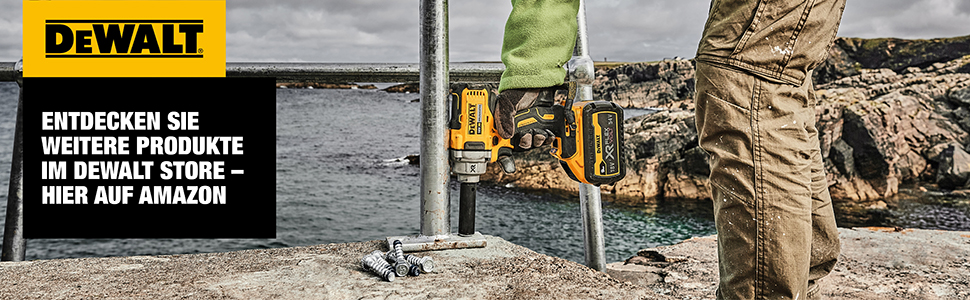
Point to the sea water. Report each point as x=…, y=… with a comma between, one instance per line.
x=341, y=178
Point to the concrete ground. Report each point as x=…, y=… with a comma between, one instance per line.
x=875, y=264
x=501, y=270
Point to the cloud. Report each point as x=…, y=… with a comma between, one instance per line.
x=11, y=28
x=363, y=31
x=645, y=30
x=906, y=19
x=387, y=31
x=963, y=7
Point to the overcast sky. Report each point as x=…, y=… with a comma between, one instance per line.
x=387, y=30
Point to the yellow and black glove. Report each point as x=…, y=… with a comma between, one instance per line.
x=526, y=116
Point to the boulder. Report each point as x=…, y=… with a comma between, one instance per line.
x=666, y=84
x=960, y=93
x=954, y=168
x=841, y=156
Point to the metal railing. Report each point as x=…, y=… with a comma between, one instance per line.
x=7, y=71
x=338, y=72
x=361, y=72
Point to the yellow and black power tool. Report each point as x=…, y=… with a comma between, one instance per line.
x=589, y=140
x=474, y=140
x=474, y=143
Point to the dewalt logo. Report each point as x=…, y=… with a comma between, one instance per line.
x=474, y=119
x=124, y=38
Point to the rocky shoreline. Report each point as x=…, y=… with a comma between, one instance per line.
x=323, y=85
x=902, y=119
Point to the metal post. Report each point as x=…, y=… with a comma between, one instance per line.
x=14, y=245
x=589, y=195
x=435, y=170
x=593, y=240
x=435, y=203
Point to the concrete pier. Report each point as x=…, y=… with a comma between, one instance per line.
x=501, y=270
x=876, y=263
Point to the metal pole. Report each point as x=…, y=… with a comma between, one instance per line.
x=14, y=245
x=582, y=39
x=435, y=170
x=435, y=200
x=593, y=240
x=589, y=195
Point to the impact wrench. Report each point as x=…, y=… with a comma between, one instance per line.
x=474, y=143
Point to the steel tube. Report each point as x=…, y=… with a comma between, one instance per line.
x=582, y=38
x=466, y=208
x=589, y=195
x=593, y=238
x=14, y=245
x=434, y=192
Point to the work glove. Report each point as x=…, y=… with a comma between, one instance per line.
x=526, y=116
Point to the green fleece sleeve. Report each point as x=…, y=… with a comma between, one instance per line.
x=539, y=39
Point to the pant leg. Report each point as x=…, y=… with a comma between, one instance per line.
x=825, y=235
x=764, y=153
x=539, y=40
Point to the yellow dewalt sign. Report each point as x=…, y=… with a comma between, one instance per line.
x=124, y=38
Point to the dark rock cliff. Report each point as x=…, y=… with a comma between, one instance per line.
x=850, y=55
x=666, y=84
x=888, y=108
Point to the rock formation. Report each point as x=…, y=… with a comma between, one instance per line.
x=324, y=85
x=667, y=84
x=882, y=122
x=850, y=55
x=884, y=127
x=411, y=87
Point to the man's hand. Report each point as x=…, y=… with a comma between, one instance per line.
x=526, y=117
x=533, y=128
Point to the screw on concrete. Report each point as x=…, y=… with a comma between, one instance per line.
x=425, y=263
x=396, y=256
x=401, y=267
x=414, y=271
x=374, y=262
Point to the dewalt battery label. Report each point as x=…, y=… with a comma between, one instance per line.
x=124, y=38
x=607, y=146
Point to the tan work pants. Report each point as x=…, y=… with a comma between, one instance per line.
x=776, y=232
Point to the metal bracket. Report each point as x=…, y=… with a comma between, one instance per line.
x=441, y=242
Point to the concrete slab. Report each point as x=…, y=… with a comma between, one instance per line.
x=875, y=263
x=499, y=271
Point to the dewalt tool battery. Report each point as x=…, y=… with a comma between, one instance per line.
x=589, y=147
